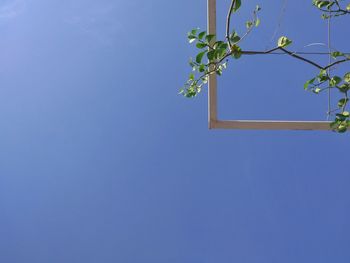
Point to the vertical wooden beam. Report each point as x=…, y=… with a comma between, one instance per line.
x=212, y=82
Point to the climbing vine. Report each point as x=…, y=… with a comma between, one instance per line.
x=213, y=56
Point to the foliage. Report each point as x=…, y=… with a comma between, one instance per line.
x=331, y=8
x=213, y=56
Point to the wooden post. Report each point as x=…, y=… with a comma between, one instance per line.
x=212, y=82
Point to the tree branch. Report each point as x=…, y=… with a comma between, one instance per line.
x=301, y=58
x=228, y=22
x=337, y=62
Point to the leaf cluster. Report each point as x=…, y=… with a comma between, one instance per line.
x=214, y=52
x=323, y=81
x=331, y=8
x=212, y=55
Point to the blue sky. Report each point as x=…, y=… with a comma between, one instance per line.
x=102, y=161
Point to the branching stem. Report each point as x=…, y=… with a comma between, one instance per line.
x=228, y=22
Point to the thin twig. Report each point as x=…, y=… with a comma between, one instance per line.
x=337, y=62
x=228, y=22
x=285, y=51
x=301, y=58
x=253, y=52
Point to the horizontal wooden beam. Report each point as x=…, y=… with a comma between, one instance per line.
x=271, y=125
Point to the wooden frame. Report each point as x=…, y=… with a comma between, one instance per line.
x=215, y=123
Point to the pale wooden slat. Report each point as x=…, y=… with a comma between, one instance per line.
x=212, y=82
x=271, y=125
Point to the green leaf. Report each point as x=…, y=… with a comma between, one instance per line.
x=201, y=45
x=307, y=83
x=205, y=79
x=194, y=31
x=237, y=5
x=317, y=90
x=342, y=128
x=284, y=41
x=220, y=44
x=346, y=114
x=234, y=37
x=209, y=38
x=211, y=55
x=224, y=46
x=192, y=35
x=236, y=51
x=249, y=24
x=329, y=6
x=220, y=53
x=340, y=117
x=202, y=34
x=335, y=81
x=257, y=22
x=348, y=7
x=320, y=4
x=323, y=78
x=347, y=77
x=199, y=57
x=342, y=102
x=322, y=72
x=201, y=68
x=336, y=54
x=344, y=88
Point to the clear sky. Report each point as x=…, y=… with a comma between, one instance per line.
x=101, y=161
